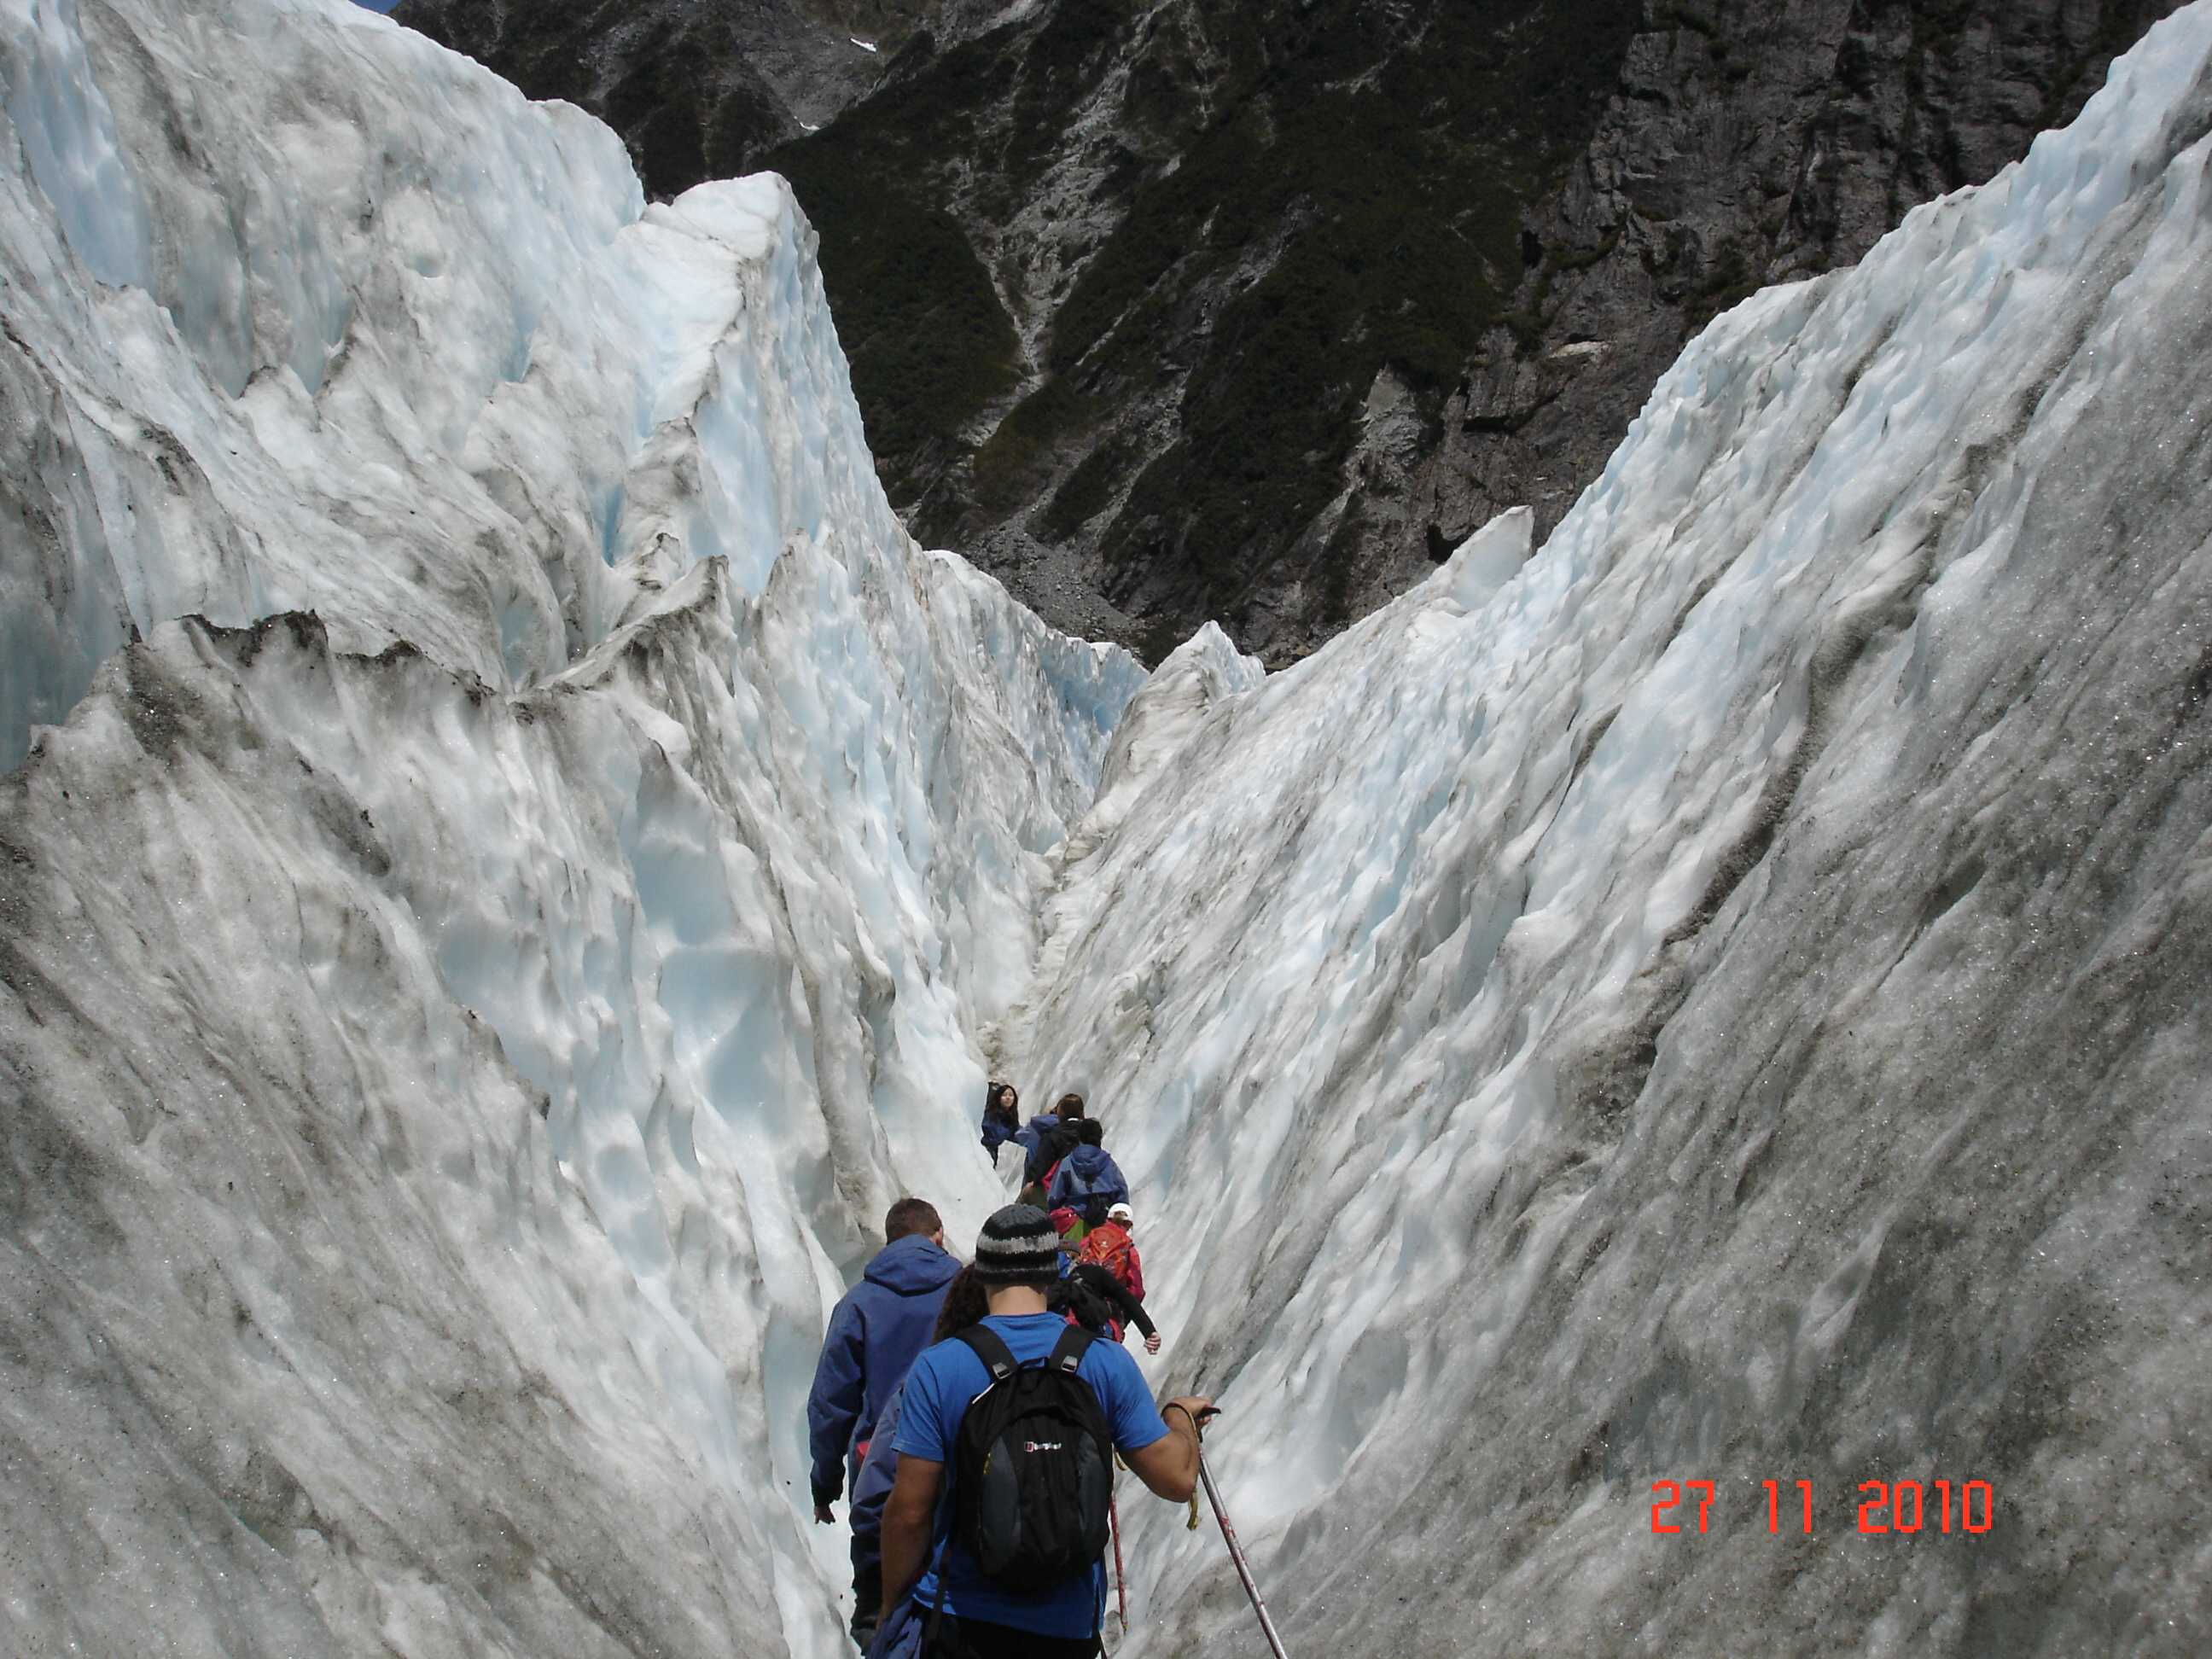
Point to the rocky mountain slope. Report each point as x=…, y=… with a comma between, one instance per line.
x=1745, y=144
x=1117, y=283
x=697, y=92
x=1166, y=313
x=1254, y=317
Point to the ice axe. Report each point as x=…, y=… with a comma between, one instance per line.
x=1236, y=1549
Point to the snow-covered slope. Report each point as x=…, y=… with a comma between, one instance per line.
x=1724, y=1001
x=472, y=987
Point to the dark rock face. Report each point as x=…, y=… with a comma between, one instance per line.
x=1125, y=288
x=1165, y=313
x=1749, y=144
x=698, y=88
x=1256, y=319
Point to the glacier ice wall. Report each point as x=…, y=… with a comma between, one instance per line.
x=1720, y=998
x=510, y=846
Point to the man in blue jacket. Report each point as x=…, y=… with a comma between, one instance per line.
x=877, y=1329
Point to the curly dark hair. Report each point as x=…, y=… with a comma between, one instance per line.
x=965, y=1304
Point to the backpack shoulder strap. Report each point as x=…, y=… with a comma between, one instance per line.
x=984, y=1344
x=1067, y=1353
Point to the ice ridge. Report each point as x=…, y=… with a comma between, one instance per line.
x=511, y=844
x=1715, y=1000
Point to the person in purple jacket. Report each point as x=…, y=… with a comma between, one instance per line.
x=877, y=1328
x=965, y=1304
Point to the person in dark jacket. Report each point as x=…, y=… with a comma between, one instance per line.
x=1087, y=1180
x=1047, y=1139
x=877, y=1328
x=1094, y=1298
x=879, y=1469
x=1002, y=1116
x=965, y=1304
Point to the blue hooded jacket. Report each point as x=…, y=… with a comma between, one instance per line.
x=1044, y=1141
x=1090, y=1183
x=878, y=1327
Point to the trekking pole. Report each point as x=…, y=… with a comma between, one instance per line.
x=1120, y=1578
x=1236, y=1554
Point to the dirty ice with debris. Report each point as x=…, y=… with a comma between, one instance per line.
x=514, y=859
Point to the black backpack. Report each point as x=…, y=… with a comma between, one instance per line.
x=1052, y=1146
x=1033, y=1465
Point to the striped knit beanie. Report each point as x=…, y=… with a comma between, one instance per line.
x=1017, y=1246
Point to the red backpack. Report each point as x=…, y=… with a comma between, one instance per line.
x=1109, y=1244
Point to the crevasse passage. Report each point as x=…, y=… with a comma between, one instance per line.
x=512, y=854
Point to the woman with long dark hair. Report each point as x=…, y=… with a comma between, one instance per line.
x=1002, y=1116
x=965, y=1304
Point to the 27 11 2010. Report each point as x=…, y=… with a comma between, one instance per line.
x=1910, y=1507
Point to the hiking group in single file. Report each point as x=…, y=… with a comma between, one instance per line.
x=974, y=1413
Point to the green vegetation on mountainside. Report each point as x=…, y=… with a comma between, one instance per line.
x=929, y=342
x=1325, y=190
x=1394, y=171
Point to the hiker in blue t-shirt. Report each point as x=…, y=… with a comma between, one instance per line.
x=1018, y=1260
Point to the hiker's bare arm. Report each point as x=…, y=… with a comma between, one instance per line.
x=1170, y=1465
x=908, y=1513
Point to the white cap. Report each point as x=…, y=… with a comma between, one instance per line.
x=1121, y=1212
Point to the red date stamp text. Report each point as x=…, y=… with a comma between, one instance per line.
x=1883, y=1506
